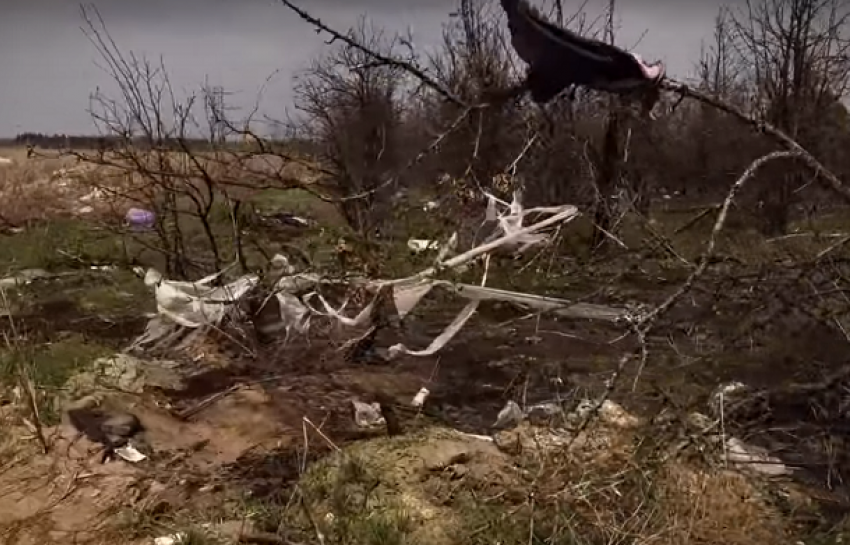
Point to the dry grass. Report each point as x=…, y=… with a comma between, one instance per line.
x=438, y=487
x=53, y=187
x=28, y=190
x=717, y=506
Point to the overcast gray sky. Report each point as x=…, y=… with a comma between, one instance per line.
x=48, y=66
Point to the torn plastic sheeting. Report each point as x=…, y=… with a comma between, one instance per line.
x=360, y=319
x=555, y=305
x=412, y=289
x=559, y=215
x=297, y=283
x=755, y=458
x=196, y=304
x=407, y=297
x=510, y=220
x=193, y=304
x=442, y=339
x=294, y=314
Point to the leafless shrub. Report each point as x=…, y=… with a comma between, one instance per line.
x=351, y=107
x=177, y=158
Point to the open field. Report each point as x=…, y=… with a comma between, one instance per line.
x=234, y=455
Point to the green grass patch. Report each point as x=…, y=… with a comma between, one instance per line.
x=58, y=245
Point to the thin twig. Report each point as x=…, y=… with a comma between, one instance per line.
x=398, y=63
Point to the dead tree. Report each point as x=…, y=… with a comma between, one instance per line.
x=473, y=61
x=797, y=51
x=350, y=106
x=610, y=157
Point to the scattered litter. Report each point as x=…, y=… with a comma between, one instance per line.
x=417, y=245
x=486, y=438
x=140, y=219
x=755, y=458
x=281, y=262
x=367, y=415
x=95, y=194
x=66, y=175
x=5, y=161
x=610, y=413
x=420, y=397
x=130, y=454
x=23, y=278
x=726, y=394
x=196, y=304
x=284, y=218
x=173, y=539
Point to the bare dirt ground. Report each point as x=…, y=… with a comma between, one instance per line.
x=213, y=442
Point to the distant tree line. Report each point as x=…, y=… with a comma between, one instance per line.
x=65, y=141
x=77, y=142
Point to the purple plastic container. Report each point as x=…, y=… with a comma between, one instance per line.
x=140, y=219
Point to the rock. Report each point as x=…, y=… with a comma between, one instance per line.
x=703, y=423
x=532, y=439
x=544, y=413
x=614, y=414
x=121, y=370
x=111, y=428
x=509, y=417
x=610, y=413
x=449, y=455
x=121, y=426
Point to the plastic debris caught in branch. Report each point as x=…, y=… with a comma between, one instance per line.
x=197, y=304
